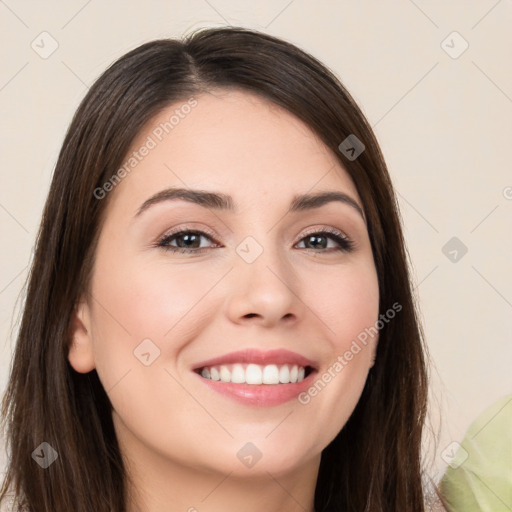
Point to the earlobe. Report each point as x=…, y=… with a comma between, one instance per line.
x=81, y=354
x=374, y=354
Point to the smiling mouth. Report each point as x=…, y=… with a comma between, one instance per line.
x=256, y=374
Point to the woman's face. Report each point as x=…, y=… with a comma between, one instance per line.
x=259, y=279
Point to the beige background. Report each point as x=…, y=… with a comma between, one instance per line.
x=443, y=120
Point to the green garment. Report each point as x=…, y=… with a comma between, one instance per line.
x=479, y=476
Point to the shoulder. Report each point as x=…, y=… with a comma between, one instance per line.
x=480, y=474
x=10, y=503
x=7, y=502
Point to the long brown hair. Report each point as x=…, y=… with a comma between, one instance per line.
x=374, y=463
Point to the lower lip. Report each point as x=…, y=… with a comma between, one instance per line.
x=261, y=395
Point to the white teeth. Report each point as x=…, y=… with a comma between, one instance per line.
x=271, y=374
x=284, y=375
x=255, y=374
x=225, y=374
x=238, y=374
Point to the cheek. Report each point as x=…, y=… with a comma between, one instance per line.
x=136, y=301
x=143, y=317
x=347, y=302
x=152, y=300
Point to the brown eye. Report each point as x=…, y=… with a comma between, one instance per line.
x=318, y=241
x=187, y=241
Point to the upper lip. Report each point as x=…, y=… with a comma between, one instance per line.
x=278, y=356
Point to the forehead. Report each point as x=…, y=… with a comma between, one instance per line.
x=234, y=141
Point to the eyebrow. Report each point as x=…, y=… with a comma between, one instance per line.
x=220, y=201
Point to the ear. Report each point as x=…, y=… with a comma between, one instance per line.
x=374, y=352
x=81, y=354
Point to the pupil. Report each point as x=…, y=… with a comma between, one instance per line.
x=188, y=240
x=316, y=238
x=185, y=238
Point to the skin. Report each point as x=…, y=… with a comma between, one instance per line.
x=179, y=438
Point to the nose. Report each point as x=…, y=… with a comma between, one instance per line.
x=263, y=291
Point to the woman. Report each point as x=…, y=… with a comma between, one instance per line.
x=219, y=314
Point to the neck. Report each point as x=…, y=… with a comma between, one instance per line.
x=216, y=493
x=157, y=484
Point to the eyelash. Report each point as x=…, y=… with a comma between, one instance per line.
x=345, y=244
